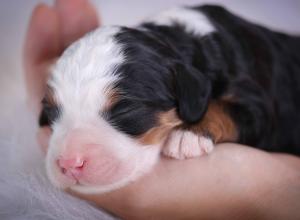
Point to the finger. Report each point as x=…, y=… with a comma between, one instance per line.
x=42, y=43
x=42, y=39
x=77, y=17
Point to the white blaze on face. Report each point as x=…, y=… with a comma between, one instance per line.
x=86, y=153
x=192, y=20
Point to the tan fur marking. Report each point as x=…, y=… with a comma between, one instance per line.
x=112, y=97
x=167, y=122
x=217, y=123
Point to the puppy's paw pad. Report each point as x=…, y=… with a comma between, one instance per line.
x=185, y=144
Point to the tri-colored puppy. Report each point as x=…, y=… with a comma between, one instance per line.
x=176, y=84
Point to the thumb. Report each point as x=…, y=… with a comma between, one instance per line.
x=77, y=17
x=42, y=44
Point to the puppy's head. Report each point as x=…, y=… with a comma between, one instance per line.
x=112, y=99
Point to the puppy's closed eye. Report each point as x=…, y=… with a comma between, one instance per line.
x=49, y=114
x=176, y=85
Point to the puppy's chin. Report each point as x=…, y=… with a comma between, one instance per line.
x=105, y=170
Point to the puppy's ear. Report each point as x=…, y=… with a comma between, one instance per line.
x=192, y=91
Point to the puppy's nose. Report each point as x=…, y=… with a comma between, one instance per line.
x=71, y=167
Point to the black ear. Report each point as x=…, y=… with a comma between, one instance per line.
x=192, y=91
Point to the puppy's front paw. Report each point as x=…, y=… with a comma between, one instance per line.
x=182, y=144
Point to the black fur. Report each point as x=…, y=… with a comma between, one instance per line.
x=264, y=76
x=259, y=68
x=167, y=68
x=188, y=82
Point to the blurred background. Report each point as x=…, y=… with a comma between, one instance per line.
x=26, y=196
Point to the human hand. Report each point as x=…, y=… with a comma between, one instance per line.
x=50, y=31
x=234, y=182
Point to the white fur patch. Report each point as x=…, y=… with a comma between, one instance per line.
x=193, y=21
x=81, y=79
x=183, y=144
x=85, y=72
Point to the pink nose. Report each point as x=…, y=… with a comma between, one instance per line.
x=71, y=167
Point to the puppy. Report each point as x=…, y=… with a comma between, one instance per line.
x=177, y=84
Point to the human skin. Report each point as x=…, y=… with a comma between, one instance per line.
x=233, y=182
